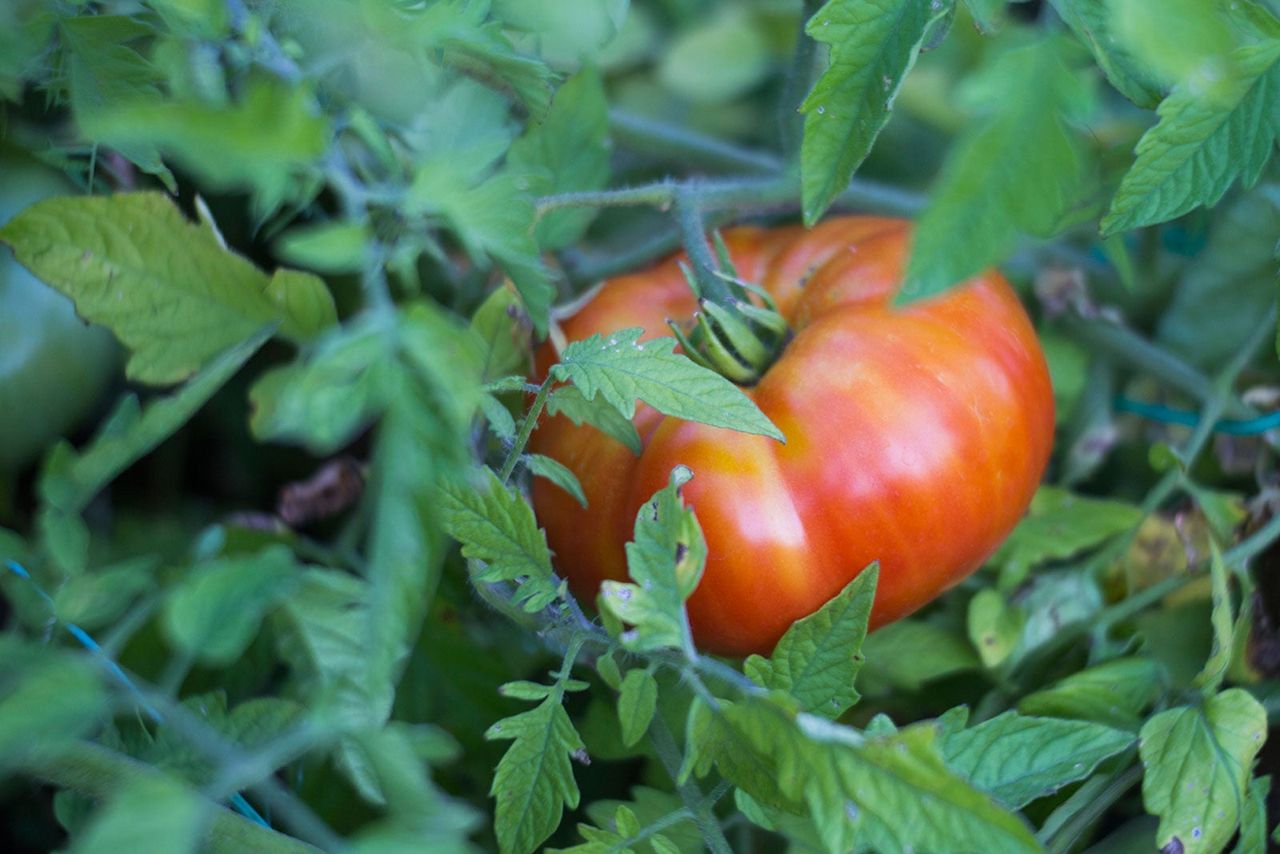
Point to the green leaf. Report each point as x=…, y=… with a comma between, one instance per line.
x=329, y=247
x=492, y=216
x=104, y=71
x=147, y=810
x=910, y=653
x=872, y=46
x=422, y=440
x=665, y=560
x=118, y=258
x=858, y=790
x=597, y=411
x=1090, y=20
x=622, y=371
x=648, y=806
x=988, y=15
x=534, y=780
x=722, y=57
x=70, y=480
x=269, y=142
x=214, y=612
x=1228, y=285
x=1198, y=763
x=500, y=326
x=818, y=658
x=568, y=151
x=496, y=526
x=566, y=35
x=1058, y=526
x=335, y=390
x=1015, y=171
x=422, y=817
x=1019, y=759
x=1253, y=823
x=995, y=627
x=48, y=698
x=1203, y=143
x=637, y=701
x=95, y=600
x=1180, y=40
x=1209, y=680
x=554, y=471
x=1115, y=693
x=502, y=423
x=323, y=634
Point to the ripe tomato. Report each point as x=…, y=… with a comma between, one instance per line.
x=915, y=437
x=53, y=366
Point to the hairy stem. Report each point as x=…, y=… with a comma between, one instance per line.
x=526, y=430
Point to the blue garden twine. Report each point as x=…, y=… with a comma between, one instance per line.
x=1189, y=418
x=238, y=801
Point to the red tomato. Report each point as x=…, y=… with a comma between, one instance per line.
x=915, y=437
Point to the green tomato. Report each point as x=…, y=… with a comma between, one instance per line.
x=53, y=366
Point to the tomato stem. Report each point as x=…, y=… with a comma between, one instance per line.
x=526, y=430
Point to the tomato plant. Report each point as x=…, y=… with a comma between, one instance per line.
x=900, y=424
x=53, y=366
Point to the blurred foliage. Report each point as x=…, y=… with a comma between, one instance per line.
x=325, y=237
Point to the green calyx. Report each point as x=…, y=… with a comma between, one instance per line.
x=738, y=337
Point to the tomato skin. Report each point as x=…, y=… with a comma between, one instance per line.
x=53, y=366
x=915, y=437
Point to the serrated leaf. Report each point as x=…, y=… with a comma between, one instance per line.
x=1203, y=142
x=1016, y=171
x=1090, y=20
x=637, y=701
x=554, y=471
x=534, y=780
x=818, y=658
x=665, y=560
x=322, y=400
x=1198, y=763
x=496, y=526
x=649, y=806
x=492, y=216
x=568, y=151
x=858, y=790
x=214, y=612
x=1229, y=284
x=163, y=285
x=1019, y=759
x=269, y=141
x=144, y=811
x=71, y=480
x=598, y=412
x=105, y=70
x=1058, y=526
x=1114, y=693
x=623, y=371
x=872, y=47
x=500, y=420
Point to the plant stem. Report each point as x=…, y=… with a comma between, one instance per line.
x=526, y=430
x=1257, y=542
x=1132, y=349
x=673, y=142
x=664, y=744
x=694, y=233
x=100, y=773
x=1085, y=807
